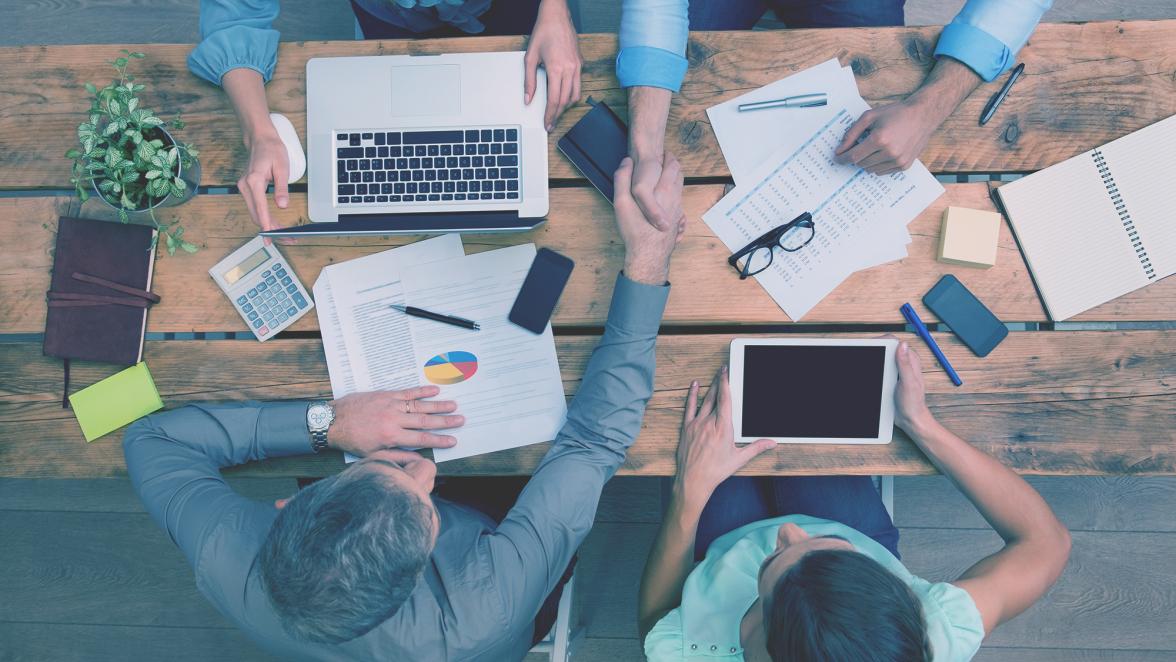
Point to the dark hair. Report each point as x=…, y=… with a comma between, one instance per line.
x=836, y=605
x=344, y=555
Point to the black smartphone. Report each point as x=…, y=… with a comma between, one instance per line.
x=541, y=289
x=958, y=308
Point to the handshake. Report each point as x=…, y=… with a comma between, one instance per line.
x=649, y=217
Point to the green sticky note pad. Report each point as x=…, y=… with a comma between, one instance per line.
x=115, y=401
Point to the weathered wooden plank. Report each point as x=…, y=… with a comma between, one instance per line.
x=1082, y=503
x=1086, y=84
x=1030, y=403
x=36, y=642
x=1117, y=592
x=61, y=567
x=706, y=290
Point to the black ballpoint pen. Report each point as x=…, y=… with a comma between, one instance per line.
x=437, y=317
x=999, y=97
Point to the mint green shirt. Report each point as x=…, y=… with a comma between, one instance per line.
x=721, y=589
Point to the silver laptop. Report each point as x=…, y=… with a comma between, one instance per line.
x=414, y=144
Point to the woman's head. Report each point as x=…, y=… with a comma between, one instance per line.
x=822, y=600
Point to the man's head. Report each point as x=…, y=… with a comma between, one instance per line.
x=346, y=552
x=824, y=601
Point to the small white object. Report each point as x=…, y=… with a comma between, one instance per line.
x=293, y=146
x=789, y=420
x=263, y=288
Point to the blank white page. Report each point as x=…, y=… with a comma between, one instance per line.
x=1072, y=237
x=1143, y=165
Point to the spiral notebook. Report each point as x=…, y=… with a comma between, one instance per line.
x=1101, y=224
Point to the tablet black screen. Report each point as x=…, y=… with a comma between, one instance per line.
x=812, y=391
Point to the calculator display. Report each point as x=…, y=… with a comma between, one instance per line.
x=248, y=264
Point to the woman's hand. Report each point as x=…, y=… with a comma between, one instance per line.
x=910, y=400
x=268, y=162
x=368, y=422
x=554, y=45
x=707, y=454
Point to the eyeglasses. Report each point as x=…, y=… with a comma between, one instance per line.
x=757, y=256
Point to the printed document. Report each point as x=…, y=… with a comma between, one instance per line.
x=505, y=380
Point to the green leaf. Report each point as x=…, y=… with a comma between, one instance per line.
x=145, y=150
x=171, y=156
x=72, y=154
x=137, y=87
x=120, y=62
x=96, y=153
x=124, y=216
x=157, y=143
x=111, y=129
x=177, y=187
x=116, y=187
x=171, y=245
x=138, y=56
x=178, y=123
x=132, y=104
x=151, y=121
x=106, y=186
x=91, y=89
x=83, y=194
x=114, y=106
x=188, y=246
x=154, y=174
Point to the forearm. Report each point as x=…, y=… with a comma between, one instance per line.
x=649, y=107
x=1014, y=509
x=246, y=91
x=670, y=560
x=943, y=90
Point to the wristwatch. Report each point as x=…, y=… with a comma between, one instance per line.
x=319, y=416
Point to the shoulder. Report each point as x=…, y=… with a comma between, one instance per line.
x=954, y=627
x=228, y=555
x=664, y=641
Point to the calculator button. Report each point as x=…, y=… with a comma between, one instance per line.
x=257, y=324
x=252, y=294
x=300, y=300
x=261, y=287
x=265, y=273
x=291, y=311
x=291, y=288
x=263, y=330
x=282, y=318
x=241, y=300
x=271, y=280
x=253, y=315
x=280, y=272
x=286, y=280
x=247, y=307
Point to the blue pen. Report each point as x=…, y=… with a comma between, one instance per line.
x=913, y=318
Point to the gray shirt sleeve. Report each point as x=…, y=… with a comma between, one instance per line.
x=531, y=548
x=174, y=461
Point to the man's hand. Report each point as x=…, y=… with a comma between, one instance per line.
x=648, y=110
x=368, y=422
x=889, y=138
x=911, y=412
x=268, y=162
x=707, y=454
x=554, y=45
x=648, y=249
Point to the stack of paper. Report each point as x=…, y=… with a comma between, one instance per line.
x=505, y=379
x=782, y=163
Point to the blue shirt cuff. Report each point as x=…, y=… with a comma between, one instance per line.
x=650, y=66
x=235, y=47
x=980, y=51
x=281, y=428
x=637, y=307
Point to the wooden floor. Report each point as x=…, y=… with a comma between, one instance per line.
x=84, y=573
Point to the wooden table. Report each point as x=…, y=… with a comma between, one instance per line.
x=1046, y=401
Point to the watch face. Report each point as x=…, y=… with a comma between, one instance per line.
x=319, y=416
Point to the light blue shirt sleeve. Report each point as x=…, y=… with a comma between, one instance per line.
x=653, y=43
x=235, y=34
x=987, y=34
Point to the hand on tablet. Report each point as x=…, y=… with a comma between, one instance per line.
x=910, y=403
x=707, y=454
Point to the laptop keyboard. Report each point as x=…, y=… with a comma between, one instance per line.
x=451, y=165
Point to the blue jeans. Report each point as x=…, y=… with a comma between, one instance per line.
x=742, y=14
x=850, y=500
x=505, y=17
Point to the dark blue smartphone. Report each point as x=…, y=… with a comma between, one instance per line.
x=541, y=289
x=969, y=319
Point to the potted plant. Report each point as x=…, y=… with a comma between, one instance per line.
x=128, y=158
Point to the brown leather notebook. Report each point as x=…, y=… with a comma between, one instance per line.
x=100, y=291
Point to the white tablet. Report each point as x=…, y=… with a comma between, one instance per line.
x=813, y=390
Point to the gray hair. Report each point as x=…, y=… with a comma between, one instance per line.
x=344, y=555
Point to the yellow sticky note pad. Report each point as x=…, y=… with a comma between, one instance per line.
x=969, y=237
x=115, y=401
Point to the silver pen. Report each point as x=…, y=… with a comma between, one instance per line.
x=799, y=101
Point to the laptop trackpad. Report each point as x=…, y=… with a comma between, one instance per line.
x=426, y=90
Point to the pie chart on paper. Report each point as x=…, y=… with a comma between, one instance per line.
x=451, y=368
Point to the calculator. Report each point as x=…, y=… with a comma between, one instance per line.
x=262, y=287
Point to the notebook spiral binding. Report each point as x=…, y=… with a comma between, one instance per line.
x=1104, y=171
